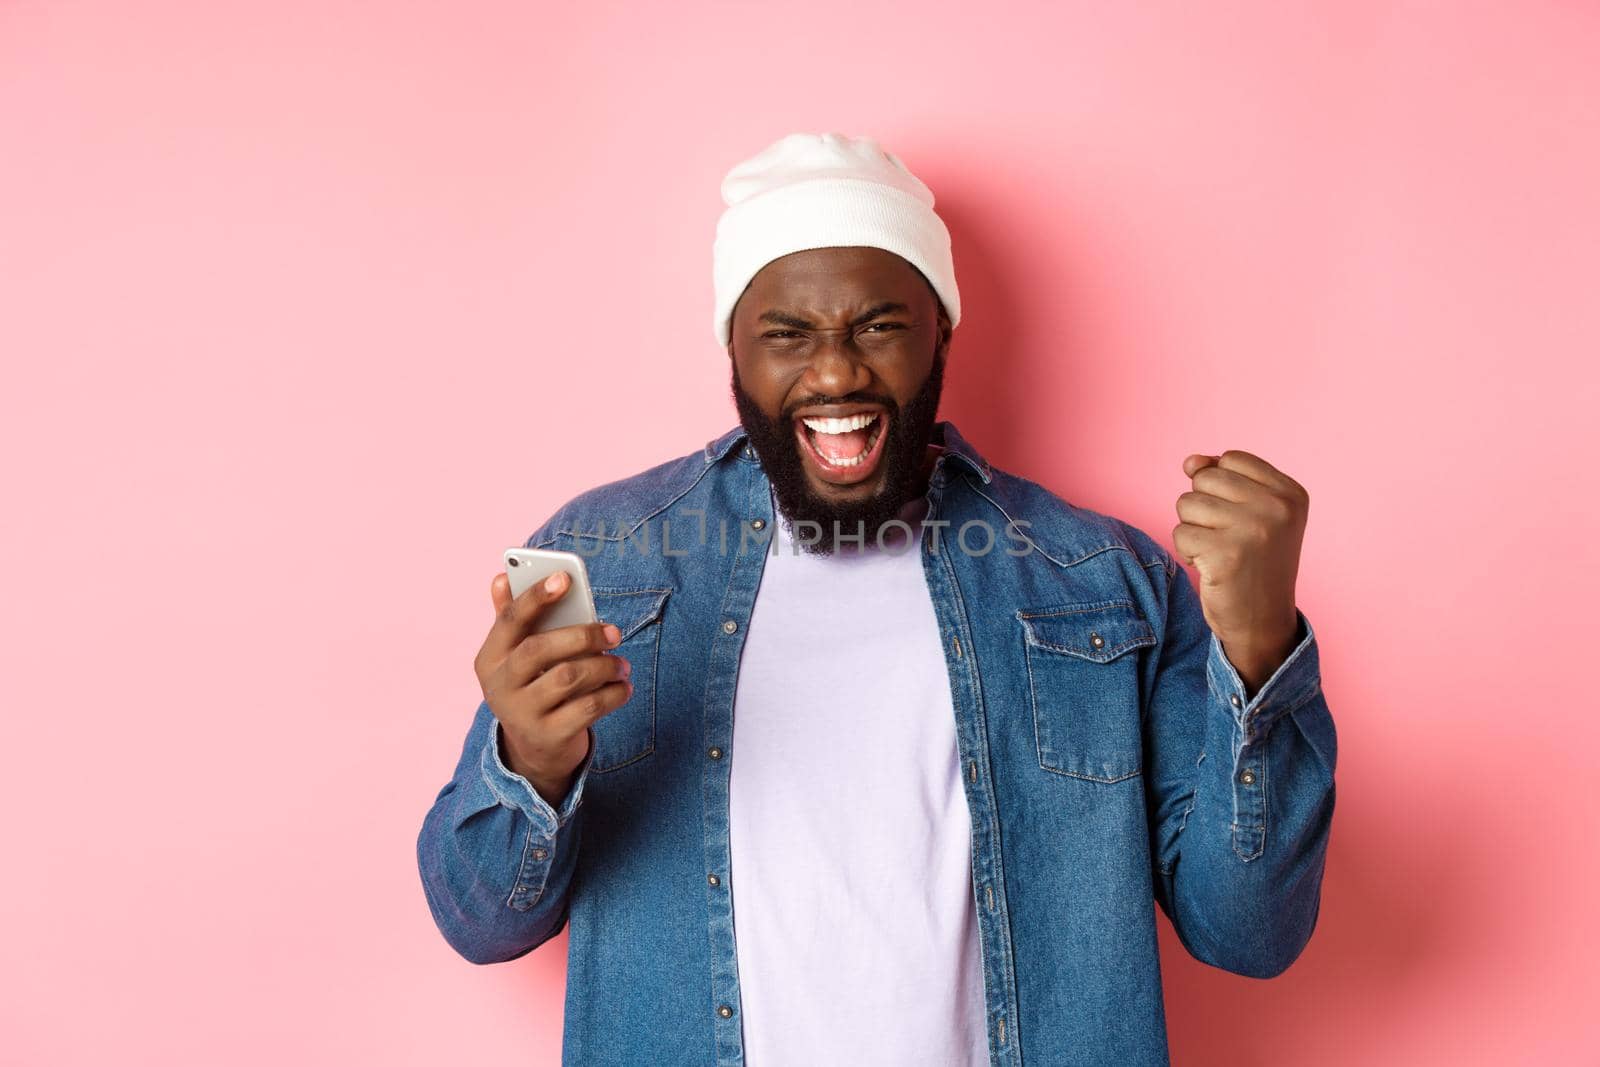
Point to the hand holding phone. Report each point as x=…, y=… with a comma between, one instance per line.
x=548, y=680
x=526, y=567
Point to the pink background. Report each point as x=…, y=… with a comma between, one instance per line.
x=308, y=309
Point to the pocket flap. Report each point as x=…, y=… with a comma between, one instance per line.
x=1098, y=632
x=629, y=609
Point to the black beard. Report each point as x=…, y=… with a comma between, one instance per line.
x=904, y=453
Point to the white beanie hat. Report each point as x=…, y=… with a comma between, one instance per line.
x=825, y=191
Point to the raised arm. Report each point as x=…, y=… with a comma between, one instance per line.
x=1241, y=794
x=495, y=857
x=498, y=846
x=1240, y=746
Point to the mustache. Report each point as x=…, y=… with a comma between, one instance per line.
x=907, y=429
x=884, y=402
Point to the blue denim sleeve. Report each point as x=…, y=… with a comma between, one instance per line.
x=495, y=858
x=1241, y=794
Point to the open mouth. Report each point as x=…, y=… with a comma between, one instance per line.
x=843, y=450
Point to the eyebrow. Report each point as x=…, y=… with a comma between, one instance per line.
x=794, y=322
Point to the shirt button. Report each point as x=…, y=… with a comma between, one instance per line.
x=715, y=753
x=539, y=853
x=728, y=626
x=758, y=524
x=1234, y=700
x=750, y=453
x=713, y=879
x=1248, y=777
x=1096, y=640
x=725, y=1011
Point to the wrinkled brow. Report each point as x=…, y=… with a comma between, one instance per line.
x=794, y=322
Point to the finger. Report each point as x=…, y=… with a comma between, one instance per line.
x=515, y=619
x=571, y=679
x=1227, y=485
x=1203, y=509
x=538, y=653
x=577, y=715
x=486, y=664
x=500, y=591
x=1196, y=461
x=1190, y=542
x=1254, y=467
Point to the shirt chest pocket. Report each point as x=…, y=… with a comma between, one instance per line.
x=1083, y=686
x=628, y=734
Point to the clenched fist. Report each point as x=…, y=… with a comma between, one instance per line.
x=546, y=689
x=1241, y=527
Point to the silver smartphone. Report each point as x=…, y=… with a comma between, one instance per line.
x=526, y=567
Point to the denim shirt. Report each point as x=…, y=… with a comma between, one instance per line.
x=1111, y=755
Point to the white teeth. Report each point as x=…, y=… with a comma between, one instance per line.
x=844, y=425
x=856, y=420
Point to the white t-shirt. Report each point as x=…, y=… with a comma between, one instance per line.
x=851, y=876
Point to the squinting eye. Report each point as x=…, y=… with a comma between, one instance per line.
x=889, y=325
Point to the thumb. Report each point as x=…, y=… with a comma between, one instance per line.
x=1196, y=462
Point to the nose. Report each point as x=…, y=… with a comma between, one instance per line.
x=837, y=366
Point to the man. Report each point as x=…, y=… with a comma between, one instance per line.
x=880, y=754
